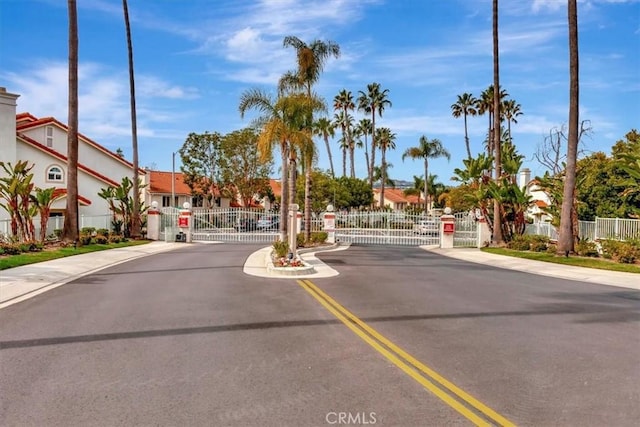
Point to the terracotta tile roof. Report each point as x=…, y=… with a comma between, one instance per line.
x=276, y=187
x=412, y=198
x=541, y=204
x=394, y=195
x=62, y=157
x=160, y=182
x=62, y=192
x=26, y=121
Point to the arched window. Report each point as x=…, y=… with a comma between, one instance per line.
x=54, y=173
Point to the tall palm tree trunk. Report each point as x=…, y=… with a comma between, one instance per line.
x=466, y=137
x=352, y=164
x=135, y=215
x=383, y=179
x=70, y=228
x=373, y=147
x=497, y=207
x=566, y=238
x=284, y=194
x=426, y=185
x=326, y=143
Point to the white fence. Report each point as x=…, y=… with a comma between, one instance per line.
x=601, y=228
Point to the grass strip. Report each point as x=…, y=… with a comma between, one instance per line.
x=47, y=255
x=571, y=260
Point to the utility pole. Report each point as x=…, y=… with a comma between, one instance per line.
x=173, y=179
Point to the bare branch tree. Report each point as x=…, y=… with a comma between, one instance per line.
x=549, y=153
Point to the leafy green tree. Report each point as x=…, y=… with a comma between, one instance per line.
x=627, y=156
x=373, y=102
x=200, y=155
x=243, y=171
x=426, y=149
x=120, y=200
x=466, y=105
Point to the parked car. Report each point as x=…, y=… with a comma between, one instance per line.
x=245, y=224
x=269, y=222
x=426, y=226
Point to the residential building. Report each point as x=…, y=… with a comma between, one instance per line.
x=159, y=188
x=540, y=199
x=395, y=199
x=43, y=143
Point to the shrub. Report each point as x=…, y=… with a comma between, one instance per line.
x=586, y=248
x=552, y=248
x=319, y=237
x=87, y=230
x=300, y=240
x=102, y=232
x=519, y=243
x=84, y=239
x=9, y=249
x=114, y=238
x=626, y=252
x=101, y=239
x=281, y=248
x=58, y=232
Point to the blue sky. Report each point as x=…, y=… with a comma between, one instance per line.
x=194, y=58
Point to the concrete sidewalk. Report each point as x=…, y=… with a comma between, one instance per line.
x=590, y=275
x=20, y=283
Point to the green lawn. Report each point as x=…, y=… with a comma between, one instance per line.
x=34, y=257
x=571, y=260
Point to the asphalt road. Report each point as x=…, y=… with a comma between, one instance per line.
x=185, y=338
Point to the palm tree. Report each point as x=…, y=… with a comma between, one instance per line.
x=485, y=105
x=325, y=128
x=426, y=149
x=497, y=206
x=308, y=153
x=135, y=220
x=70, y=230
x=386, y=141
x=371, y=102
x=280, y=126
x=43, y=199
x=566, y=238
x=379, y=172
x=416, y=190
x=345, y=121
x=466, y=105
x=343, y=101
x=510, y=112
x=435, y=189
x=364, y=128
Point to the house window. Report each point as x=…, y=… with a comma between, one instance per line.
x=49, y=136
x=54, y=173
x=166, y=201
x=197, y=201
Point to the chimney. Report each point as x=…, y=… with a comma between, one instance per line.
x=8, y=149
x=525, y=177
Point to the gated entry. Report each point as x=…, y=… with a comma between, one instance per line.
x=372, y=228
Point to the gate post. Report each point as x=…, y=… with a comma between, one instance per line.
x=153, y=222
x=447, y=229
x=329, y=224
x=484, y=233
x=185, y=223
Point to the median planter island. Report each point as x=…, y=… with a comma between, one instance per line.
x=282, y=266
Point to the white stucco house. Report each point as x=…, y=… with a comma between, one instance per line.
x=43, y=143
x=540, y=199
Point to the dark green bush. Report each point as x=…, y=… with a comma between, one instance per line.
x=87, y=230
x=114, y=238
x=319, y=236
x=101, y=239
x=586, y=248
x=300, y=240
x=626, y=252
x=85, y=239
x=58, y=232
x=519, y=243
x=102, y=232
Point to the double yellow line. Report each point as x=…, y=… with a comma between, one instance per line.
x=464, y=403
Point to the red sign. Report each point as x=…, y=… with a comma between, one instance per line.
x=183, y=221
x=449, y=227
